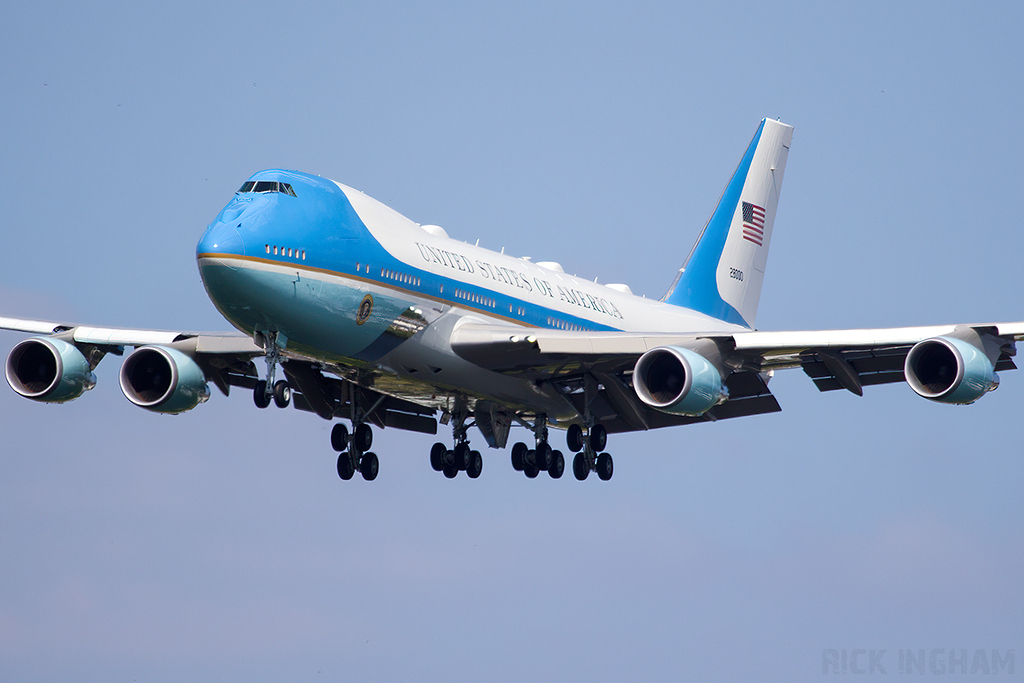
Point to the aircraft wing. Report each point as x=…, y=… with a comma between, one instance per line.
x=217, y=342
x=851, y=359
x=547, y=354
x=225, y=357
x=833, y=359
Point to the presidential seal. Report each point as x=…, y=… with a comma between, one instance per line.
x=365, y=308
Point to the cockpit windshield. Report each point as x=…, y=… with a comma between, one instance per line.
x=264, y=186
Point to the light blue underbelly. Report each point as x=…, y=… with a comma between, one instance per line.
x=315, y=312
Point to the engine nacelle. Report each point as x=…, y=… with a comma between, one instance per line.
x=949, y=370
x=49, y=369
x=163, y=380
x=678, y=381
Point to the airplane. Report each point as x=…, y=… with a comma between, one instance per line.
x=363, y=316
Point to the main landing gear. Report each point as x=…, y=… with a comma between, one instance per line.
x=461, y=457
x=354, y=451
x=588, y=452
x=541, y=458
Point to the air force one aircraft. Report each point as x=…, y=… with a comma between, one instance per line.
x=363, y=315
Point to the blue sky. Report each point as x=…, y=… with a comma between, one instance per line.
x=219, y=544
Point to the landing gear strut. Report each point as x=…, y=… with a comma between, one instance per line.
x=266, y=390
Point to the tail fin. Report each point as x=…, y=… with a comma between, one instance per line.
x=723, y=274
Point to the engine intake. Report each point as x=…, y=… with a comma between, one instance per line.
x=678, y=381
x=949, y=370
x=49, y=369
x=163, y=380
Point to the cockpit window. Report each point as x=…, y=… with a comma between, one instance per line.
x=264, y=186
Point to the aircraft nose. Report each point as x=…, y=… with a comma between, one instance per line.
x=220, y=238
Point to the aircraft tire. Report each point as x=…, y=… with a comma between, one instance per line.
x=450, y=471
x=363, y=437
x=259, y=394
x=346, y=469
x=580, y=467
x=531, y=471
x=598, y=438
x=476, y=464
x=574, y=438
x=518, y=453
x=542, y=456
x=557, y=465
x=461, y=453
x=282, y=394
x=605, y=466
x=339, y=438
x=369, y=466
x=437, y=452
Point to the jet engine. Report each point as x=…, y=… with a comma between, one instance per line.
x=163, y=380
x=678, y=381
x=49, y=369
x=949, y=370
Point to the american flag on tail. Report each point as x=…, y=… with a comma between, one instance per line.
x=753, y=223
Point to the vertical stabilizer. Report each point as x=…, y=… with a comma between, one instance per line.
x=723, y=275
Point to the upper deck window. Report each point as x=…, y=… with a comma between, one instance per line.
x=264, y=186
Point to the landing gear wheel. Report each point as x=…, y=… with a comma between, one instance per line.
x=475, y=465
x=531, y=471
x=339, y=437
x=437, y=452
x=450, y=471
x=557, y=465
x=364, y=437
x=368, y=466
x=259, y=394
x=518, y=453
x=598, y=438
x=461, y=453
x=542, y=456
x=346, y=468
x=574, y=438
x=282, y=394
x=604, y=466
x=580, y=466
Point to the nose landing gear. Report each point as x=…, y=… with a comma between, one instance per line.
x=265, y=391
